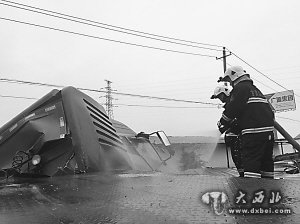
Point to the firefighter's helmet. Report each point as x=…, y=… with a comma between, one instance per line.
x=221, y=89
x=234, y=72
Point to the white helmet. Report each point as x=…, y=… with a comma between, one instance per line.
x=233, y=73
x=221, y=89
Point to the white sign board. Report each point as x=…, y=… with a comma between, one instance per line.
x=282, y=101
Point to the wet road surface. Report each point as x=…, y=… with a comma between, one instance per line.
x=154, y=197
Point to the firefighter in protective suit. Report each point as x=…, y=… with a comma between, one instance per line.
x=256, y=120
x=232, y=135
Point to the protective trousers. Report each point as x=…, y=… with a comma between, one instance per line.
x=236, y=153
x=257, y=154
x=234, y=142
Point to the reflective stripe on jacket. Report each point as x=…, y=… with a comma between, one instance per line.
x=250, y=107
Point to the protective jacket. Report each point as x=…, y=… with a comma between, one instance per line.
x=250, y=107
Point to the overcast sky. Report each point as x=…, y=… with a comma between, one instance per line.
x=264, y=34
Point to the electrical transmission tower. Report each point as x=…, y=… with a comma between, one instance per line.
x=109, y=99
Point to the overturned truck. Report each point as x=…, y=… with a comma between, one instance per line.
x=68, y=132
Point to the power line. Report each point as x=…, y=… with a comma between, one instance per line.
x=262, y=74
x=163, y=98
x=118, y=27
x=111, y=29
x=106, y=39
x=125, y=33
x=103, y=91
x=259, y=81
x=18, y=97
x=137, y=105
x=259, y=71
x=119, y=104
x=66, y=15
x=29, y=83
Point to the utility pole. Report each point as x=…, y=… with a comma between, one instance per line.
x=224, y=58
x=109, y=98
x=224, y=68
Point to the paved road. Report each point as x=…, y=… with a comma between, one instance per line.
x=148, y=198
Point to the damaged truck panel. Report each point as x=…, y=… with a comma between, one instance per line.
x=68, y=132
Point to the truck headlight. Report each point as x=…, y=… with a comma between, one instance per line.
x=36, y=159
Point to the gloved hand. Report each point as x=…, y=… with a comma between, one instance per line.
x=222, y=128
